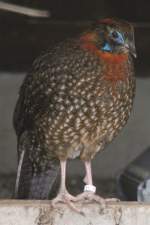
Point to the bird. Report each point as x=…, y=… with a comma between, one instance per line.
x=74, y=101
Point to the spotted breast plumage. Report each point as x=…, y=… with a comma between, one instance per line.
x=74, y=101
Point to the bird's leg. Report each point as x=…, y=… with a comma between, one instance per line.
x=63, y=195
x=88, y=177
x=89, y=189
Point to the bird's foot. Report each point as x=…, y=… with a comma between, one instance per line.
x=90, y=196
x=66, y=198
x=63, y=197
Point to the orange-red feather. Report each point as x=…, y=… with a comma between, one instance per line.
x=114, y=63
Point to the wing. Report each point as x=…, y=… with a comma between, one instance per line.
x=36, y=171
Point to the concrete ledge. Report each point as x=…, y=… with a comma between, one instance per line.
x=13, y=212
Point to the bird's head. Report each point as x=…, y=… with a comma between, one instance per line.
x=111, y=36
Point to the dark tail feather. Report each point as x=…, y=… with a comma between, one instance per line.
x=32, y=182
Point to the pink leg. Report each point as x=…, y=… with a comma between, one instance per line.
x=89, y=195
x=88, y=176
x=63, y=176
x=63, y=195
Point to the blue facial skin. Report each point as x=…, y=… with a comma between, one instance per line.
x=118, y=39
x=107, y=47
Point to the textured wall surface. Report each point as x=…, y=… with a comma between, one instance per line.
x=41, y=213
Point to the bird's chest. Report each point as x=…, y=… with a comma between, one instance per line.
x=114, y=111
x=108, y=103
x=104, y=111
x=108, y=106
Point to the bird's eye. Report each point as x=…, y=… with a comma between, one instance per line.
x=117, y=37
x=115, y=34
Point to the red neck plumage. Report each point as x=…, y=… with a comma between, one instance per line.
x=115, y=63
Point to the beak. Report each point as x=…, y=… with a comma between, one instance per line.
x=131, y=48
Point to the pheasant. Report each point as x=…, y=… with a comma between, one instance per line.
x=73, y=102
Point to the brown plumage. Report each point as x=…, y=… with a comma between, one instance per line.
x=74, y=101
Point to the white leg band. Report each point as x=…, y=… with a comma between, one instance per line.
x=89, y=188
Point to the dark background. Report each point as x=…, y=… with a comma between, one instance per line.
x=27, y=36
x=22, y=38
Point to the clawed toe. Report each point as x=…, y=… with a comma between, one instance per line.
x=63, y=197
x=88, y=196
x=67, y=199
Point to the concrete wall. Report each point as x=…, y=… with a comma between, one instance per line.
x=42, y=213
